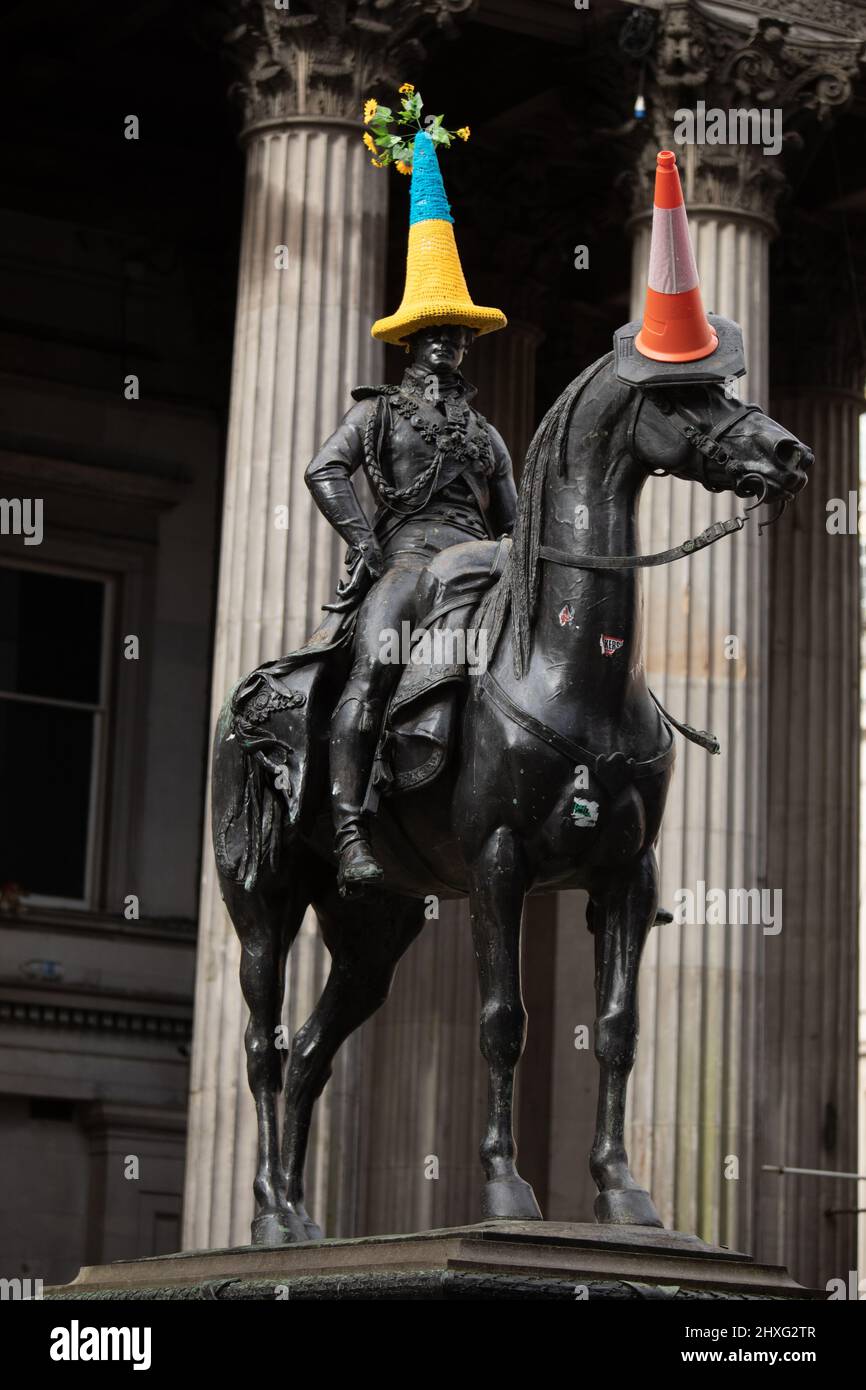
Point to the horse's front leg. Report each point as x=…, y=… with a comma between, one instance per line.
x=497, y=886
x=623, y=910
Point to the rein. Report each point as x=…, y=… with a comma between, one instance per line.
x=662, y=557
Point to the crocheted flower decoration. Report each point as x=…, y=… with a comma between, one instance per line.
x=391, y=135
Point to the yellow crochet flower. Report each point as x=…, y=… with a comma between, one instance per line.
x=402, y=167
x=463, y=132
x=376, y=164
x=369, y=142
x=407, y=89
x=371, y=106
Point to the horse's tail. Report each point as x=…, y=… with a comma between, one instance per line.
x=268, y=762
x=246, y=821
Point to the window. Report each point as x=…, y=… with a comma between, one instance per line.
x=53, y=629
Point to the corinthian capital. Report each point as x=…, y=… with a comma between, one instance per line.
x=792, y=59
x=322, y=57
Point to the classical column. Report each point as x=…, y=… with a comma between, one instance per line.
x=502, y=366
x=696, y=1096
x=426, y=1083
x=706, y=660
x=309, y=286
x=809, y=1101
x=425, y=1080
x=506, y=393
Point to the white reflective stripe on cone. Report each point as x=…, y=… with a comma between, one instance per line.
x=672, y=267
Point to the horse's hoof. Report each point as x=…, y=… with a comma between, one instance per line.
x=312, y=1228
x=278, y=1228
x=509, y=1199
x=629, y=1206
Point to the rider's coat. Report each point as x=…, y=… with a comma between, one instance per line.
x=431, y=461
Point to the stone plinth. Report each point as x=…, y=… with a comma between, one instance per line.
x=494, y=1259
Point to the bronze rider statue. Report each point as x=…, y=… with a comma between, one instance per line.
x=440, y=475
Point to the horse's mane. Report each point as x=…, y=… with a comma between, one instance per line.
x=516, y=593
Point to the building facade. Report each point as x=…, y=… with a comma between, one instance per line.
x=120, y=256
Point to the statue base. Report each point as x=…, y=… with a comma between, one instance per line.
x=494, y=1259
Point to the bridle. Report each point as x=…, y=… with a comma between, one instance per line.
x=707, y=445
x=704, y=443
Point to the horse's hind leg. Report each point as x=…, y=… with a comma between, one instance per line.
x=498, y=884
x=624, y=909
x=266, y=921
x=366, y=939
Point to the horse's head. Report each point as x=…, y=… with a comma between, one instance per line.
x=697, y=432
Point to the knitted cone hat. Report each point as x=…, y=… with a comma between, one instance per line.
x=436, y=290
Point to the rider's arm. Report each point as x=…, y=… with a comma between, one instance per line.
x=503, y=493
x=329, y=479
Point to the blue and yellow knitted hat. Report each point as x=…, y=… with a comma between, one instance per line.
x=436, y=290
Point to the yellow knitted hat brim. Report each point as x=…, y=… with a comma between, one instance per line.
x=436, y=290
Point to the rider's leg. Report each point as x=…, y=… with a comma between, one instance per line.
x=356, y=722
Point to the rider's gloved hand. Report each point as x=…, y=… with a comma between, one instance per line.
x=364, y=561
x=371, y=554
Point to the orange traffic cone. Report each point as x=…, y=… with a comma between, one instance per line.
x=675, y=326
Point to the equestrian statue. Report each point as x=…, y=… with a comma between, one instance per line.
x=529, y=759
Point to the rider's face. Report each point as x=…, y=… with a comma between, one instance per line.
x=440, y=348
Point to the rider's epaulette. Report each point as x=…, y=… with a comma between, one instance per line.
x=363, y=393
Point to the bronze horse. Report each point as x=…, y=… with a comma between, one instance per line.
x=564, y=688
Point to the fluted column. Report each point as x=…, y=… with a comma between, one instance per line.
x=502, y=366
x=310, y=284
x=302, y=341
x=808, y=1104
x=424, y=1090
x=692, y=1095
x=425, y=1080
x=695, y=1104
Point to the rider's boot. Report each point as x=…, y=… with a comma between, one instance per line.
x=354, y=734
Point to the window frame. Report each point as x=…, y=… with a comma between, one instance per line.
x=101, y=710
x=129, y=563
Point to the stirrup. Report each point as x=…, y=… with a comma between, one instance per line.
x=357, y=868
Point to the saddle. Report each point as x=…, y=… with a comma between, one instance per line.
x=277, y=718
x=447, y=650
